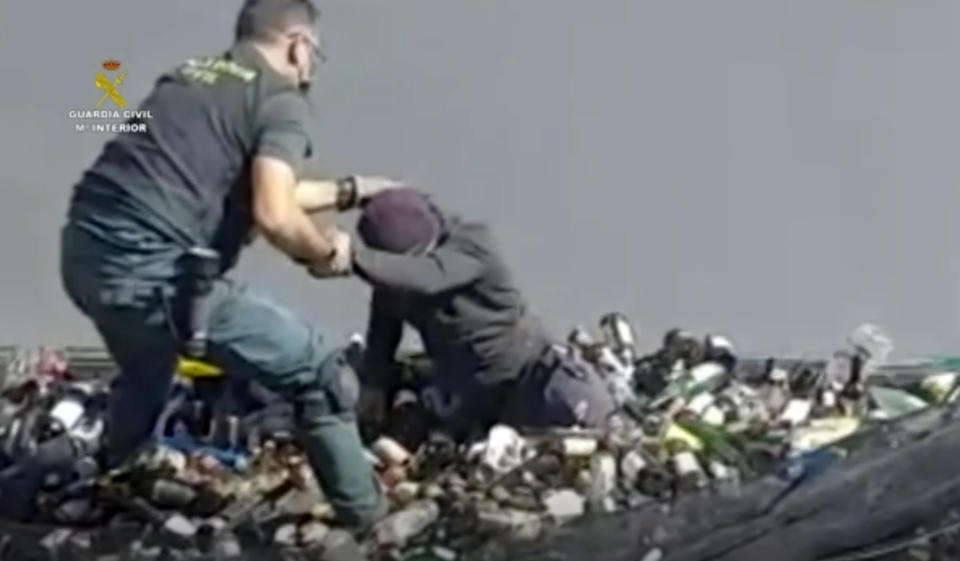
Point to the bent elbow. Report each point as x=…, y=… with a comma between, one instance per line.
x=273, y=201
x=269, y=221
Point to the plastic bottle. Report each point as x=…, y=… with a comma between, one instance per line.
x=618, y=374
x=872, y=341
x=517, y=524
x=686, y=466
x=390, y=452
x=603, y=482
x=399, y=527
x=580, y=343
x=631, y=465
x=504, y=449
x=619, y=335
x=168, y=493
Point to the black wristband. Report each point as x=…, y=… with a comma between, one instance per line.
x=346, y=193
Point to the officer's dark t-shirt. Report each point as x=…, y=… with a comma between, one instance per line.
x=185, y=181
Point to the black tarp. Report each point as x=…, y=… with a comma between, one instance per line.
x=900, y=476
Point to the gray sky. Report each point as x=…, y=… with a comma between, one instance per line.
x=776, y=170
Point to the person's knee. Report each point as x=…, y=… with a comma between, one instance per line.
x=254, y=336
x=341, y=380
x=333, y=390
x=560, y=392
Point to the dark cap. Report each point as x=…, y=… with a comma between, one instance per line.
x=398, y=221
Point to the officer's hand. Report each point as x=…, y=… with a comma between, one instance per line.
x=341, y=262
x=369, y=186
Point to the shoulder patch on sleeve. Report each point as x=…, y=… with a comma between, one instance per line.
x=209, y=70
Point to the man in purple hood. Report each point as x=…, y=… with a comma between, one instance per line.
x=490, y=354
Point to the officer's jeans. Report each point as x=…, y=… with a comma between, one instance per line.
x=249, y=336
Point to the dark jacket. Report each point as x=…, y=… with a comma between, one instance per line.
x=185, y=181
x=462, y=300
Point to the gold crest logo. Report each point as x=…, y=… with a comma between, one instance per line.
x=108, y=86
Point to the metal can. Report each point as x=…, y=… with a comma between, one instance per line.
x=390, y=452
x=619, y=334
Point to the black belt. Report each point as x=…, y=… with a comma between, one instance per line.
x=134, y=293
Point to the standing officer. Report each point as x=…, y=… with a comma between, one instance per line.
x=221, y=159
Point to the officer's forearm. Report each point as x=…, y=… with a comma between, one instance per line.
x=300, y=239
x=278, y=216
x=316, y=195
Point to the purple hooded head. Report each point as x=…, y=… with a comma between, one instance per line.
x=399, y=221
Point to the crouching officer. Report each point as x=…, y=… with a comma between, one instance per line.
x=160, y=217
